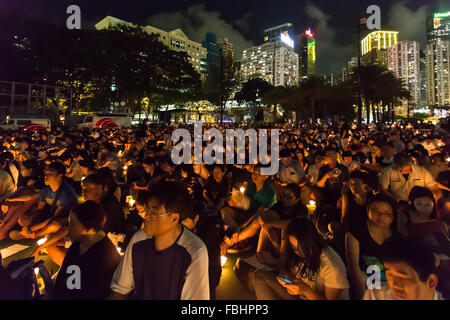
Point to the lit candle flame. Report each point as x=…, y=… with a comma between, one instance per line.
x=42, y=241
x=242, y=189
x=119, y=250
x=132, y=202
x=36, y=271
x=125, y=167
x=312, y=202
x=223, y=260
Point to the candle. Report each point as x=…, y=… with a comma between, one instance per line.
x=242, y=189
x=42, y=241
x=223, y=260
x=311, y=207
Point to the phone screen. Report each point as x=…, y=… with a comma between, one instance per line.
x=285, y=280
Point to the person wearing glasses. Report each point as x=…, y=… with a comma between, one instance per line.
x=363, y=242
x=164, y=260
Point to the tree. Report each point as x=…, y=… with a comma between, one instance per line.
x=252, y=92
x=312, y=89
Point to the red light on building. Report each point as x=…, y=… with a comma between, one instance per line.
x=309, y=33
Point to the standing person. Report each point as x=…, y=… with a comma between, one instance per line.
x=363, y=243
x=164, y=242
x=91, y=251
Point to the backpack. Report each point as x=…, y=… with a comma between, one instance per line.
x=25, y=280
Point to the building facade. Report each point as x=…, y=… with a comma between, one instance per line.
x=404, y=62
x=279, y=33
x=175, y=40
x=274, y=62
x=437, y=55
x=212, y=58
x=437, y=69
x=374, y=47
x=226, y=55
x=306, y=49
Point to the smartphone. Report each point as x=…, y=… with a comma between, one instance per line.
x=285, y=280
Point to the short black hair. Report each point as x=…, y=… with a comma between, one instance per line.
x=91, y=215
x=57, y=166
x=402, y=159
x=96, y=179
x=149, y=161
x=175, y=197
x=415, y=252
x=356, y=174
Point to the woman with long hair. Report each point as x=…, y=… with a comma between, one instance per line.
x=313, y=270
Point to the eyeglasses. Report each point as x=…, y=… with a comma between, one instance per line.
x=382, y=214
x=147, y=213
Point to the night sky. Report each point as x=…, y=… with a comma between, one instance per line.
x=243, y=21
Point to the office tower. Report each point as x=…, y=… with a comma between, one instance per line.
x=438, y=26
x=284, y=32
x=306, y=49
x=375, y=45
x=226, y=54
x=212, y=58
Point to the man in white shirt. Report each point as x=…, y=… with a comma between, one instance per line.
x=410, y=272
x=398, y=179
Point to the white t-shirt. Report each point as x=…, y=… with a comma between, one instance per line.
x=385, y=293
x=332, y=274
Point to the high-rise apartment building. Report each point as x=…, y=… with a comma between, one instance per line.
x=275, y=62
x=284, y=32
x=404, y=62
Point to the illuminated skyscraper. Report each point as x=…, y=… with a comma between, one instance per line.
x=437, y=60
x=404, y=62
x=306, y=49
x=277, y=33
x=276, y=62
x=226, y=54
x=375, y=45
x=438, y=26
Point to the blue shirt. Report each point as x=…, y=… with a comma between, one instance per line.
x=67, y=197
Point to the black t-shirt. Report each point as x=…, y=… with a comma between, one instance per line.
x=299, y=210
x=216, y=191
x=333, y=186
x=97, y=266
x=115, y=217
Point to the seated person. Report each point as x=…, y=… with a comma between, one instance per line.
x=164, y=261
x=216, y=188
x=92, y=252
x=290, y=171
x=422, y=220
x=274, y=221
x=95, y=189
x=410, y=272
x=315, y=271
x=24, y=199
x=261, y=196
x=56, y=200
x=212, y=235
x=363, y=243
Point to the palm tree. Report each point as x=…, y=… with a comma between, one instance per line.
x=312, y=89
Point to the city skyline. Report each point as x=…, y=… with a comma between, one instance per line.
x=243, y=23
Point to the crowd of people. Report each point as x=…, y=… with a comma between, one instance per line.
x=354, y=212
